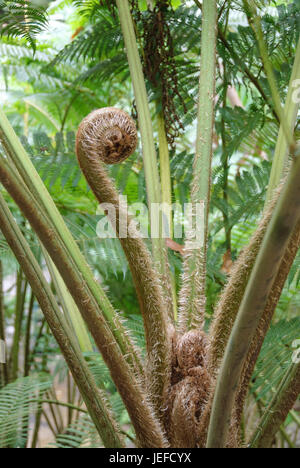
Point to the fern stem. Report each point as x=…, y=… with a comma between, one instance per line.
x=96, y=405
x=41, y=197
x=19, y=312
x=192, y=296
x=147, y=428
x=284, y=220
x=242, y=65
x=264, y=324
x=27, y=335
x=60, y=403
x=165, y=175
x=69, y=307
x=31, y=178
x=149, y=154
x=225, y=163
x=278, y=409
x=165, y=172
x=37, y=425
x=291, y=108
x=231, y=297
x=147, y=286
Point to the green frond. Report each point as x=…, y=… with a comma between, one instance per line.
x=18, y=401
x=94, y=42
x=274, y=358
x=20, y=19
x=81, y=434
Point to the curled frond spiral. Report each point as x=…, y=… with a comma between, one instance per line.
x=109, y=134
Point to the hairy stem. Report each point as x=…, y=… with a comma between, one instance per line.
x=95, y=402
x=147, y=428
x=192, y=296
x=282, y=224
x=144, y=275
x=264, y=324
x=35, y=185
x=145, y=124
x=231, y=298
x=46, y=207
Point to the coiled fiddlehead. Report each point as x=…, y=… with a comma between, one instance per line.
x=109, y=135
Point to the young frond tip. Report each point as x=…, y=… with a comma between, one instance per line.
x=108, y=134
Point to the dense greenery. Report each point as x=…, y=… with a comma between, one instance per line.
x=61, y=59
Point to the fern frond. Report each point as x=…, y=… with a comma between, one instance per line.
x=22, y=20
x=81, y=434
x=274, y=358
x=18, y=401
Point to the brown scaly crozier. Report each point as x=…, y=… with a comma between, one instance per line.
x=176, y=376
x=189, y=389
x=109, y=135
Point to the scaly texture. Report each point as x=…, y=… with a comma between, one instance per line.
x=265, y=322
x=90, y=152
x=110, y=133
x=189, y=390
x=147, y=427
x=290, y=253
x=231, y=298
x=283, y=222
x=192, y=297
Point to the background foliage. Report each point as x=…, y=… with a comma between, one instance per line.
x=63, y=59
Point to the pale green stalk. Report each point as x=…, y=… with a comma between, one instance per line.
x=94, y=400
x=149, y=154
x=165, y=176
x=148, y=430
x=69, y=306
x=165, y=171
x=192, y=296
x=35, y=185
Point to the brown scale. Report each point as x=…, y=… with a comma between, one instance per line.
x=117, y=145
x=190, y=386
x=108, y=133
